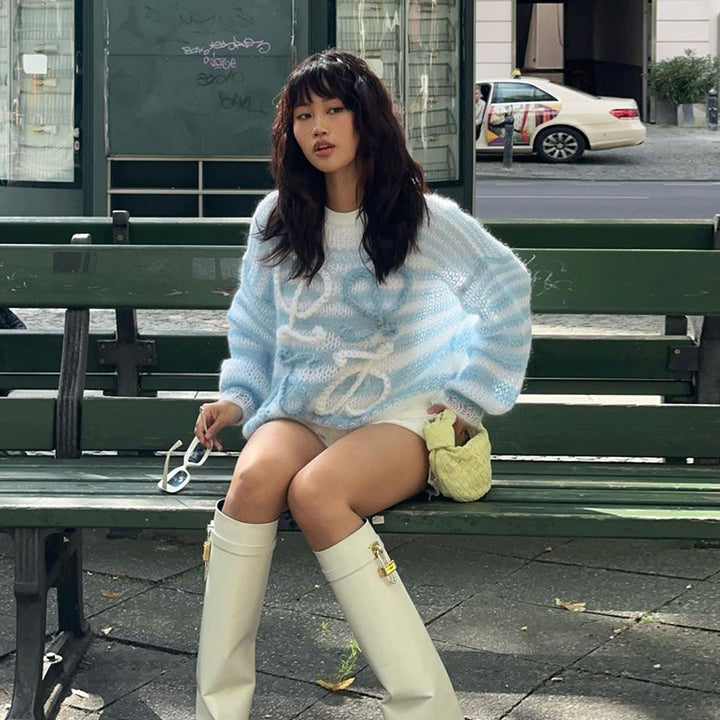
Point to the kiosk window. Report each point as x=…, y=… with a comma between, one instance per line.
x=38, y=142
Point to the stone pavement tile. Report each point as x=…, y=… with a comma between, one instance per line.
x=436, y=578
x=521, y=547
x=7, y=635
x=110, y=671
x=699, y=607
x=94, y=601
x=7, y=595
x=661, y=654
x=72, y=713
x=583, y=696
x=162, y=618
x=610, y=592
x=171, y=695
x=7, y=670
x=342, y=706
x=487, y=684
x=301, y=646
x=7, y=545
x=102, y=592
x=146, y=558
x=677, y=558
x=505, y=627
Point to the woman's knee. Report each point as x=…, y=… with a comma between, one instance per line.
x=310, y=497
x=257, y=486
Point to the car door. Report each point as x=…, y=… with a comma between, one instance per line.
x=529, y=105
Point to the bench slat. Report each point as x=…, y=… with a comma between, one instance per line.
x=567, y=357
x=27, y=423
x=175, y=277
x=602, y=505
x=684, y=234
x=143, y=231
x=628, y=234
x=530, y=429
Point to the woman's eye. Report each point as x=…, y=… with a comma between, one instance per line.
x=302, y=116
x=335, y=110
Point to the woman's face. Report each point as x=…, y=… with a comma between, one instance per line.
x=325, y=131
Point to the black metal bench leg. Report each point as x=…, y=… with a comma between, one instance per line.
x=46, y=558
x=31, y=609
x=71, y=613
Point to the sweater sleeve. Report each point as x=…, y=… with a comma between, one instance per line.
x=246, y=375
x=493, y=287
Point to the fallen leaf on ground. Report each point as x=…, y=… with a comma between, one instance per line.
x=572, y=606
x=335, y=687
x=110, y=594
x=106, y=630
x=79, y=693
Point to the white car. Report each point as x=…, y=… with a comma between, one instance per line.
x=555, y=122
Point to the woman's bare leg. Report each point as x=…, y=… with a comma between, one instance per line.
x=272, y=457
x=363, y=473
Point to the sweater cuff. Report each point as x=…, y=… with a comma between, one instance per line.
x=463, y=408
x=243, y=401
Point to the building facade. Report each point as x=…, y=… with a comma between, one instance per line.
x=602, y=46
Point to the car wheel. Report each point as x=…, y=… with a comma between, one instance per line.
x=560, y=145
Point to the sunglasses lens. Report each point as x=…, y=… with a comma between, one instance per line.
x=197, y=454
x=178, y=478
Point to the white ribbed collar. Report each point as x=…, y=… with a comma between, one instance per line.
x=343, y=219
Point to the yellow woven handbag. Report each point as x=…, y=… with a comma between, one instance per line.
x=462, y=472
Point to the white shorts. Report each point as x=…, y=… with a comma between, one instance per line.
x=412, y=416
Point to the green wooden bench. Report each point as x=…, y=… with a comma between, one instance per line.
x=589, y=364
x=94, y=461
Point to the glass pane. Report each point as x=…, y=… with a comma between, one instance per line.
x=4, y=90
x=433, y=87
x=414, y=48
x=42, y=91
x=374, y=31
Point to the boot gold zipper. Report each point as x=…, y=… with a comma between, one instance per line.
x=387, y=568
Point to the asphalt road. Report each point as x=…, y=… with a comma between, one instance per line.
x=543, y=198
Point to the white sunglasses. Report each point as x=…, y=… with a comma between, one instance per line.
x=180, y=476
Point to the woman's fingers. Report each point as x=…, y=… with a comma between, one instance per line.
x=212, y=418
x=459, y=426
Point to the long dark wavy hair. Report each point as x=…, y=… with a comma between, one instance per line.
x=391, y=186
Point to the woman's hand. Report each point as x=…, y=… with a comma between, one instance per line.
x=460, y=427
x=213, y=418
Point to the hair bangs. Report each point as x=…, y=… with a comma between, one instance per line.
x=316, y=79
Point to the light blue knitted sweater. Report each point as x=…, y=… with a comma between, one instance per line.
x=454, y=321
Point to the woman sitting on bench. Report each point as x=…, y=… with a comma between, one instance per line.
x=366, y=304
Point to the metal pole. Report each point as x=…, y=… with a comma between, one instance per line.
x=509, y=131
x=712, y=109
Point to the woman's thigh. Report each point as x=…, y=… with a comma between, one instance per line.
x=272, y=456
x=367, y=470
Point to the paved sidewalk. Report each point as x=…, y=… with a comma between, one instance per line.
x=646, y=648
x=669, y=154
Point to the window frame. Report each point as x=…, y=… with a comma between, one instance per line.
x=79, y=60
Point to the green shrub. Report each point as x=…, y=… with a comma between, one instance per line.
x=685, y=78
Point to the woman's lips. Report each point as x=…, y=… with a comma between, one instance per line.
x=323, y=149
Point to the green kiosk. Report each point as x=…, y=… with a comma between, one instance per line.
x=164, y=108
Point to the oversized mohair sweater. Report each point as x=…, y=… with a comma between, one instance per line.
x=454, y=322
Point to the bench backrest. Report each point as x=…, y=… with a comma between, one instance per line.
x=627, y=282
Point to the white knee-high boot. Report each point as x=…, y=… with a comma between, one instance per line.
x=389, y=629
x=237, y=573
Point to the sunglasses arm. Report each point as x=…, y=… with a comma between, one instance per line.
x=167, y=463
